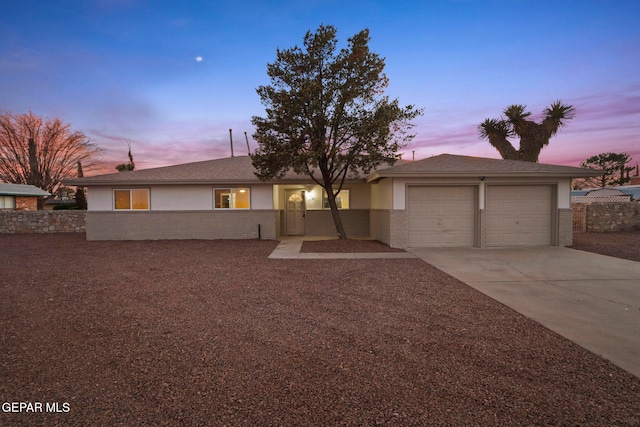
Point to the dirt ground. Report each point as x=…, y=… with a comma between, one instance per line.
x=214, y=333
x=621, y=244
x=346, y=245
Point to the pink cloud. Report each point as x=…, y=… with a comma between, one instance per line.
x=173, y=143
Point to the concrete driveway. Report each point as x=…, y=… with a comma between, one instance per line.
x=591, y=299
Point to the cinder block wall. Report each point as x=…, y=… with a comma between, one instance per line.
x=206, y=225
x=398, y=229
x=481, y=229
x=320, y=223
x=565, y=227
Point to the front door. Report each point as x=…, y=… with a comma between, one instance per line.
x=294, y=212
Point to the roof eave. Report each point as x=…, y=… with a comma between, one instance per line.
x=378, y=176
x=143, y=182
x=6, y=193
x=105, y=183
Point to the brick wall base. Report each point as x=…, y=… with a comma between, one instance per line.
x=320, y=223
x=206, y=225
x=565, y=227
x=398, y=235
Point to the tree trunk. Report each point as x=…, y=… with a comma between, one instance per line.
x=35, y=177
x=328, y=187
x=504, y=147
x=335, y=213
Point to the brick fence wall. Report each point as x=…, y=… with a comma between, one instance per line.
x=26, y=203
x=611, y=216
x=12, y=222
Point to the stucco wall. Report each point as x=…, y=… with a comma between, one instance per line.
x=359, y=195
x=380, y=225
x=382, y=194
x=400, y=187
x=206, y=225
x=99, y=198
x=12, y=222
x=178, y=197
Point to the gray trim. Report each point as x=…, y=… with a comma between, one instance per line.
x=320, y=222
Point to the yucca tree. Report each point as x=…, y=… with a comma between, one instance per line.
x=533, y=136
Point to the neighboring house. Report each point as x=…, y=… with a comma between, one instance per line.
x=61, y=200
x=621, y=193
x=20, y=197
x=446, y=200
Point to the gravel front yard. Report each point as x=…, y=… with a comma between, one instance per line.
x=621, y=244
x=214, y=333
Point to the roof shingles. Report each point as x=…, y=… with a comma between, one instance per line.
x=455, y=165
x=21, y=190
x=240, y=170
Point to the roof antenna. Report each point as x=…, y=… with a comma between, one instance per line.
x=247, y=138
x=231, y=142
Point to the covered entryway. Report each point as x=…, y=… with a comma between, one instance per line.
x=294, y=212
x=440, y=216
x=518, y=215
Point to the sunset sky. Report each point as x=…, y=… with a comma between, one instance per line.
x=172, y=77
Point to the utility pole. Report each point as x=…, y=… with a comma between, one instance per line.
x=247, y=139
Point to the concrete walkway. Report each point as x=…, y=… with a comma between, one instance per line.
x=591, y=299
x=289, y=248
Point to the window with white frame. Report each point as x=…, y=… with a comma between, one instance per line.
x=7, y=202
x=231, y=198
x=131, y=199
x=342, y=199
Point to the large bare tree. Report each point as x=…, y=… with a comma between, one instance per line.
x=41, y=152
x=533, y=136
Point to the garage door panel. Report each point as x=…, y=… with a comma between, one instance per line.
x=441, y=216
x=518, y=215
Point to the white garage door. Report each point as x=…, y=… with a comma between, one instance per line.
x=518, y=215
x=441, y=216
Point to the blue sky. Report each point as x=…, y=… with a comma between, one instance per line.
x=173, y=77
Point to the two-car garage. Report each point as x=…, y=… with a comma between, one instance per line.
x=454, y=215
x=464, y=201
